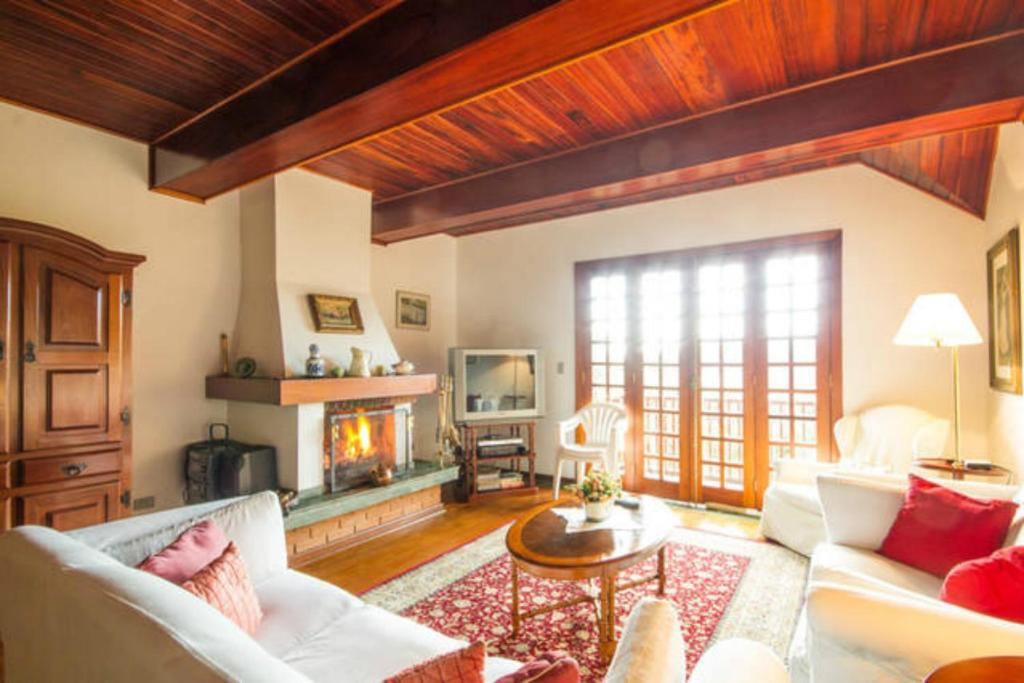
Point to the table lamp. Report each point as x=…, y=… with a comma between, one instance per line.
x=940, y=320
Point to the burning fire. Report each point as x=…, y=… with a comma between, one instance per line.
x=358, y=443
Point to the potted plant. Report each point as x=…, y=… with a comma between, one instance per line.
x=598, y=491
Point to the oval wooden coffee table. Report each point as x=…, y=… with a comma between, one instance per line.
x=538, y=544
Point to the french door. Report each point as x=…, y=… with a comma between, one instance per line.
x=726, y=358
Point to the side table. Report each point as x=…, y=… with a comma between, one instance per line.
x=959, y=472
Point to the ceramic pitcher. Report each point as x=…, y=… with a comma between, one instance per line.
x=360, y=366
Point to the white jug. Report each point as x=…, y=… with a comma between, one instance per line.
x=360, y=366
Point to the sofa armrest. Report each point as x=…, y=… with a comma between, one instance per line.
x=790, y=471
x=738, y=660
x=651, y=649
x=857, y=634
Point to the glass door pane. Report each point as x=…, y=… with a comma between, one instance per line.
x=608, y=338
x=661, y=429
x=792, y=330
x=721, y=378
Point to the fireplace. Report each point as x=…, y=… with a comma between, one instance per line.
x=358, y=438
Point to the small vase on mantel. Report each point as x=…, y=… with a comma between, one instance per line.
x=315, y=365
x=360, y=365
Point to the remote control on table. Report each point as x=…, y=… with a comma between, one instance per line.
x=631, y=503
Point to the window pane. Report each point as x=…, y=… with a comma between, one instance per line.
x=732, y=352
x=804, y=350
x=732, y=402
x=710, y=425
x=652, y=399
x=616, y=374
x=805, y=405
x=711, y=402
x=778, y=430
x=778, y=403
x=732, y=377
x=709, y=352
x=599, y=374
x=733, y=452
x=598, y=353
x=778, y=377
x=709, y=377
x=778, y=350
x=805, y=377
x=712, y=475
x=670, y=400
x=711, y=450
x=733, y=427
x=651, y=469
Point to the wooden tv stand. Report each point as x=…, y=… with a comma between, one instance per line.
x=472, y=433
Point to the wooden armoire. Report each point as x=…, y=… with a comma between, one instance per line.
x=65, y=378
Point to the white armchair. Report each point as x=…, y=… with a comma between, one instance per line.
x=880, y=440
x=605, y=427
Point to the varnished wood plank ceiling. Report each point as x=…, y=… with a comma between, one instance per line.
x=144, y=68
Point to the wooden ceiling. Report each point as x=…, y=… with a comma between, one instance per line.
x=462, y=116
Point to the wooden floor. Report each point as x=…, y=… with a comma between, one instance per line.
x=360, y=568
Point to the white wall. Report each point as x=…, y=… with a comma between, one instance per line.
x=515, y=286
x=94, y=184
x=1005, y=211
x=426, y=266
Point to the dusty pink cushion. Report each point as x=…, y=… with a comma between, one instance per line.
x=225, y=584
x=197, y=547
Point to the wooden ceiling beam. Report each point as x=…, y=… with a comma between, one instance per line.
x=971, y=85
x=416, y=59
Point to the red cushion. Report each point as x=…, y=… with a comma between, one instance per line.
x=992, y=585
x=224, y=583
x=462, y=666
x=194, y=549
x=555, y=667
x=938, y=528
x=550, y=667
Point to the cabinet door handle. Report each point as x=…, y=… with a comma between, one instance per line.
x=73, y=469
x=30, y=352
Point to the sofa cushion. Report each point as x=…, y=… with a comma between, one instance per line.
x=197, y=547
x=938, y=528
x=550, y=667
x=845, y=498
x=225, y=584
x=465, y=665
x=857, y=567
x=991, y=585
x=312, y=625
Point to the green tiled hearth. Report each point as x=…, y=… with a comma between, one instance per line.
x=320, y=507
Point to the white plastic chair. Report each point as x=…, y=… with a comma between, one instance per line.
x=605, y=427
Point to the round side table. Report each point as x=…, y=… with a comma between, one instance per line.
x=980, y=670
x=958, y=472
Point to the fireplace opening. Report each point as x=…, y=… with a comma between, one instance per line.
x=359, y=439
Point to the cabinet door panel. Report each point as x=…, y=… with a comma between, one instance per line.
x=8, y=402
x=73, y=508
x=71, y=355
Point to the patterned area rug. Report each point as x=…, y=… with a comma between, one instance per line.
x=722, y=587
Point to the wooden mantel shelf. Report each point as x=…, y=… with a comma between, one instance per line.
x=290, y=392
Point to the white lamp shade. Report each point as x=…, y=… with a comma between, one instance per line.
x=937, y=320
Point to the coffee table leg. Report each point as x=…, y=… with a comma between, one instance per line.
x=661, y=569
x=515, y=600
x=606, y=619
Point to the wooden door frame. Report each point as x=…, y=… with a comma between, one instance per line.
x=690, y=487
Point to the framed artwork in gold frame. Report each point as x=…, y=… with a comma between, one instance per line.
x=1004, y=347
x=335, y=313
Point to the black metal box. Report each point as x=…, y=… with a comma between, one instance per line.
x=222, y=468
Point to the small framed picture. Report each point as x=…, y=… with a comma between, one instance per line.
x=1004, y=349
x=335, y=313
x=412, y=310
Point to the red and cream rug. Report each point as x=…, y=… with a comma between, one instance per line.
x=721, y=586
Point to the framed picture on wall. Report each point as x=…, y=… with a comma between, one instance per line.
x=412, y=310
x=1004, y=350
x=335, y=313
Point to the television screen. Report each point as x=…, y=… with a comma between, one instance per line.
x=496, y=383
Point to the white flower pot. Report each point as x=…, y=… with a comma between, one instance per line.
x=598, y=511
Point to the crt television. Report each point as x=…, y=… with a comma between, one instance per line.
x=497, y=384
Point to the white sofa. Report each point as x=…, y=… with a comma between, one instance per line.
x=868, y=618
x=884, y=439
x=74, y=609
